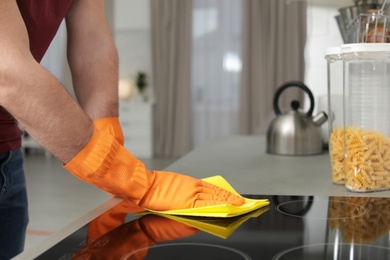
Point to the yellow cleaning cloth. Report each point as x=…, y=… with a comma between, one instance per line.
x=220, y=211
x=221, y=227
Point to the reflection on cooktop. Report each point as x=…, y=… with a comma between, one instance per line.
x=186, y=250
x=337, y=208
x=335, y=251
x=292, y=227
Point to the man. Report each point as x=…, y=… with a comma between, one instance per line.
x=85, y=135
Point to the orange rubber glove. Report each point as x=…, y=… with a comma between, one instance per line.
x=106, y=164
x=112, y=126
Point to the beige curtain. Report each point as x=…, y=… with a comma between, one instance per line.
x=171, y=23
x=274, y=36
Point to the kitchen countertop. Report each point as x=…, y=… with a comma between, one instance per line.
x=243, y=162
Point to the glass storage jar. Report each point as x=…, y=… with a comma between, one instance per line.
x=367, y=116
x=335, y=113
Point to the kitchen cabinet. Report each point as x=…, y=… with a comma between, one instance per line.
x=136, y=118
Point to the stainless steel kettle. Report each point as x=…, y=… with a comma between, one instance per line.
x=294, y=132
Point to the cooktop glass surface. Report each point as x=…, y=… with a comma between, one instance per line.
x=291, y=227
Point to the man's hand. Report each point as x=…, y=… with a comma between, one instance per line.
x=106, y=164
x=171, y=191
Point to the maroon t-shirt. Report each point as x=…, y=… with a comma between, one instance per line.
x=42, y=19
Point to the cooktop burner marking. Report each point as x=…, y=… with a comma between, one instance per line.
x=302, y=208
x=334, y=251
x=192, y=247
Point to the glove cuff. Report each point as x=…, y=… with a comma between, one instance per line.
x=110, y=125
x=106, y=164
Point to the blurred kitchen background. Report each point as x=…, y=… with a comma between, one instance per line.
x=211, y=67
x=190, y=71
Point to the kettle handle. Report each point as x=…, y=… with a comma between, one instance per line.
x=293, y=84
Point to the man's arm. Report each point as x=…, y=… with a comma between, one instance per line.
x=92, y=58
x=39, y=102
x=34, y=96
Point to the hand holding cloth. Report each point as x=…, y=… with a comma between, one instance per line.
x=105, y=163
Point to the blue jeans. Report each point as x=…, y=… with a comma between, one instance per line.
x=13, y=204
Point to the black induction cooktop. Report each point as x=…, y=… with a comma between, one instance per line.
x=291, y=227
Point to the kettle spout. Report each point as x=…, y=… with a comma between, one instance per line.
x=320, y=118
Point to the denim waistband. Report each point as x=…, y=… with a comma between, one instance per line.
x=4, y=156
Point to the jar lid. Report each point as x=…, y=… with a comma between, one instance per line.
x=365, y=47
x=332, y=51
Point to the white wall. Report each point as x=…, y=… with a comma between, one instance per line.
x=322, y=33
x=131, y=14
x=131, y=29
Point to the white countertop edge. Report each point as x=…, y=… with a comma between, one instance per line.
x=63, y=233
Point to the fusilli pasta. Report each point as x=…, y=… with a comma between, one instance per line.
x=365, y=163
